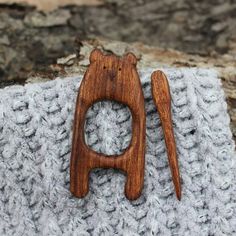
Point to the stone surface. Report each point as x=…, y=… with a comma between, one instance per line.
x=49, y=5
x=38, y=19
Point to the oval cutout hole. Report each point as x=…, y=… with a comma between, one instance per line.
x=108, y=127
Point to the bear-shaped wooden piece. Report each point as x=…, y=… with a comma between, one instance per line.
x=109, y=77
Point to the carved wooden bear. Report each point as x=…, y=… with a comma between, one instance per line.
x=109, y=78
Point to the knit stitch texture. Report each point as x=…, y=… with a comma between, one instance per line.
x=35, y=144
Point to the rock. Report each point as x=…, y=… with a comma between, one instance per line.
x=142, y=10
x=8, y=54
x=114, y=47
x=221, y=42
x=4, y=40
x=69, y=60
x=193, y=38
x=219, y=26
x=3, y=25
x=39, y=19
x=222, y=9
x=51, y=5
x=76, y=21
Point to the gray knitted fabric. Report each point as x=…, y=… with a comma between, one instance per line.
x=35, y=143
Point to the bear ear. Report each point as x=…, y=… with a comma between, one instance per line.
x=131, y=58
x=95, y=55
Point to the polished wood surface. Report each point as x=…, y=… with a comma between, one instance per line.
x=162, y=99
x=109, y=78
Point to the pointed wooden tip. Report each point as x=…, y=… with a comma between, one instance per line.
x=179, y=197
x=176, y=179
x=178, y=192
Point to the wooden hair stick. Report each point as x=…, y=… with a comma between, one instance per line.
x=162, y=99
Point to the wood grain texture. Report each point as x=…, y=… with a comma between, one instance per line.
x=109, y=77
x=162, y=99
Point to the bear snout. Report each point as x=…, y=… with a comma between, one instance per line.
x=112, y=75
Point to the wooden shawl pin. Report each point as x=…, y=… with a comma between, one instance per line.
x=113, y=78
x=162, y=99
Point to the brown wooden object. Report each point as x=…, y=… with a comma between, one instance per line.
x=109, y=78
x=162, y=99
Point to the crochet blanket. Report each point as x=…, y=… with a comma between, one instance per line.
x=35, y=143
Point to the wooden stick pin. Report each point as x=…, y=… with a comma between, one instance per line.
x=162, y=99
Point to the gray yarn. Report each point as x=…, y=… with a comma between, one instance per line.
x=35, y=144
